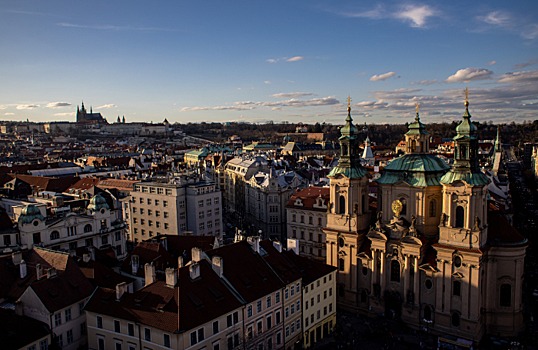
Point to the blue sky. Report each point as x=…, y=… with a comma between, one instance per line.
x=255, y=61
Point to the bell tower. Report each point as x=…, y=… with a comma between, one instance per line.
x=348, y=214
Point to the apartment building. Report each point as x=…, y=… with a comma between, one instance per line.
x=306, y=217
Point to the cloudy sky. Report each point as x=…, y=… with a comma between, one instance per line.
x=253, y=60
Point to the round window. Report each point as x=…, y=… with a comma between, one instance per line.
x=36, y=223
x=457, y=261
x=364, y=270
x=428, y=284
x=340, y=242
x=102, y=211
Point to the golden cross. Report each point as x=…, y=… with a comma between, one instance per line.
x=466, y=94
x=348, y=101
x=417, y=107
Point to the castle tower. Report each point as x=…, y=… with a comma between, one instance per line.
x=416, y=138
x=348, y=215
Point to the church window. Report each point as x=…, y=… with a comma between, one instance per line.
x=428, y=283
x=427, y=313
x=88, y=228
x=342, y=205
x=460, y=215
x=463, y=152
x=456, y=261
x=456, y=288
x=395, y=271
x=341, y=264
x=455, y=319
x=404, y=206
x=505, y=295
x=433, y=208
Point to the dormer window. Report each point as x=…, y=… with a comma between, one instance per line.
x=298, y=202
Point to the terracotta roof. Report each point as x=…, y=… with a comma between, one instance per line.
x=182, y=245
x=308, y=197
x=52, y=184
x=247, y=271
x=200, y=301
x=101, y=275
x=83, y=184
x=123, y=185
x=149, y=252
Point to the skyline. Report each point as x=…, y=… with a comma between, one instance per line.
x=255, y=61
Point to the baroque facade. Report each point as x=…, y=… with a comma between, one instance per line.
x=434, y=257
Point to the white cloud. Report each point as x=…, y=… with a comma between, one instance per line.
x=3, y=107
x=295, y=59
x=497, y=18
x=492, y=63
x=271, y=60
x=416, y=14
x=375, y=13
x=106, y=106
x=384, y=76
x=292, y=94
x=530, y=32
x=526, y=64
x=9, y=113
x=30, y=106
x=267, y=82
x=519, y=77
x=468, y=74
x=114, y=27
x=64, y=114
x=58, y=104
x=424, y=82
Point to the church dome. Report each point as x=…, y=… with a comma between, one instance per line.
x=30, y=213
x=415, y=169
x=98, y=202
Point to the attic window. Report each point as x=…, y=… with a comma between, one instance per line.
x=299, y=202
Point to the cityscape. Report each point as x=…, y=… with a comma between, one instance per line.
x=306, y=175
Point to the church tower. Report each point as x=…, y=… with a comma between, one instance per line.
x=348, y=214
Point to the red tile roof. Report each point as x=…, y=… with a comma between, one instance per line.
x=308, y=197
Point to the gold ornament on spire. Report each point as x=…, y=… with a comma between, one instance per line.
x=466, y=103
x=417, y=107
x=349, y=103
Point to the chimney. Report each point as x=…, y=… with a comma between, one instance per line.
x=171, y=277
x=16, y=257
x=86, y=257
x=255, y=243
x=293, y=244
x=51, y=273
x=149, y=274
x=134, y=264
x=179, y=262
x=38, y=271
x=194, y=270
x=92, y=252
x=278, y=246
x=121, y=288
x=217, y=263
x=22, y=269
x=196, y=254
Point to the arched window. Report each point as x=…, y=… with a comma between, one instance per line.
x=455, y=319
x=460, y=216
x=505, y=295
x=395, y=271
x=344, y=150
x=54, y=235
x=404, y=206
x=427, y=313
x=413, y=147
x=88, y=228
x=463, y=152
x=342, y=205
x=433, y=208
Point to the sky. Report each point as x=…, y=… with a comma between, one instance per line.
x=275, y=60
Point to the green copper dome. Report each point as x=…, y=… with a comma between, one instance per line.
x=30, y=213
x=415, y=169
x=98, y=202
x=416, y=128
x=354, y=172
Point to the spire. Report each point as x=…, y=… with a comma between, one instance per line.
x=498, y=145
x=416, y=137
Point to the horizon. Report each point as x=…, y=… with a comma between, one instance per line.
x=258, y=62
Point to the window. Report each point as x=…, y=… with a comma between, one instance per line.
x=342, y=205
x=277, y=317
x=117, y=326
x=165, y=214
x=249, y=311
x=166, y=340
x=58, y=319
x=259, y=306
x=278, y=338
x=44, y=344
x=208, y=202
x=200, y=334
x=193, y=338
x=165, y=204
x=150, y=212
x=157, y=202
x=83, y=328
x=456, y=261
x=286, y=293
x=427, y=313
x=259, y=326
x=428, y=283
x=505, y=295
x=200, y=203
x=395, y=271
x=216, y=200
x=404, y=206
x=460, y=215
x=69, y=336
x=433, y=208
x=215, y=327
x=88, y=227
x=149, y=201
x=100, y=343
x=269, y=322
x=277, y=297
x=456, y=288
x=68, y=315
x=157, y=213
x=142, y=211
x=99, y=321
x=54, y=235
x=341, y=264
x=147, y=334
x=268, y=302
x=130, y=329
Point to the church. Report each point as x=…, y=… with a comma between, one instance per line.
x=89, y=118
x=432, y=256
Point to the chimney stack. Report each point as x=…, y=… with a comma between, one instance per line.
x=22, y=269
x=149, y=274
x=121, y=288
x=278, y=246
x=179, y=262
x=38, y=271
x=194, y=270
x=16, y=257
x=217, y=263
x=293, y=244
x=86, y=257
x=196, y=254
x=134, y=264
x=171, y=277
